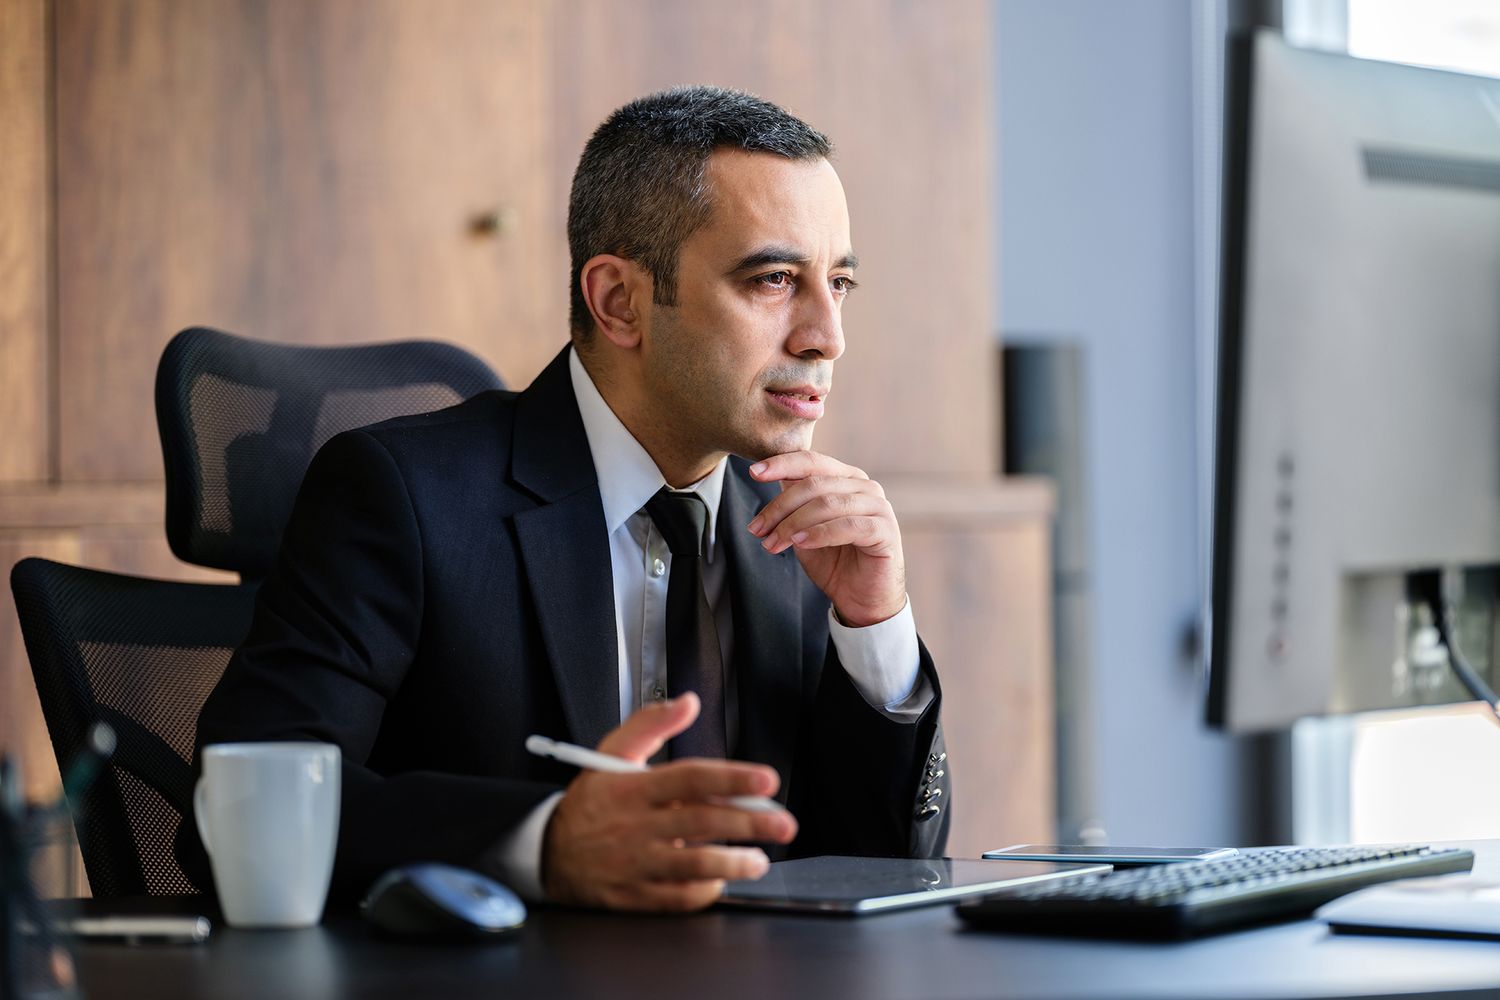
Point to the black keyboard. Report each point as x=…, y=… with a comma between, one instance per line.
x=1201, y=897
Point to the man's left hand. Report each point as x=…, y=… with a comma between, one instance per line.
x=843, y=529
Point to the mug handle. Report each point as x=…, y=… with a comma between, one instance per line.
x=199, y=790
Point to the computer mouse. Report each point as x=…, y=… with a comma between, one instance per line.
x=441, y=902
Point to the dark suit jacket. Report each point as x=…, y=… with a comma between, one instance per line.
x=443, y=590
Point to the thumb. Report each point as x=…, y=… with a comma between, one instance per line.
x=648, y=729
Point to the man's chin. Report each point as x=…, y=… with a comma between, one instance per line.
x=759, y=450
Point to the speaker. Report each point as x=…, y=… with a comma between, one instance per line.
x=1043, y=435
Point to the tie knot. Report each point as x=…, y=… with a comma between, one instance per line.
x=681, y=518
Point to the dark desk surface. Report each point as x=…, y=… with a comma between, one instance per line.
x=723, y=955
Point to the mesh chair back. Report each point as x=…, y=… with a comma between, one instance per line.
x=141, y=655
x=241, y=419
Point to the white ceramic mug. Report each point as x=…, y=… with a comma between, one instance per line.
x=268, y=814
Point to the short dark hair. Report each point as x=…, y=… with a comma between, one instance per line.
x=640, y=188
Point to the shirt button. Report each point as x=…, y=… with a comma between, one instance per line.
x=658, y=567
x=658, y=694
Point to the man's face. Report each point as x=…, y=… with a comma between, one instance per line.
x=743, y=360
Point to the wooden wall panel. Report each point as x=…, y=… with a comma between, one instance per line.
x=305, y=172
x=903, y=88
x=980, y=593
x=141, y=550
x=25, y=250
x=309, y=172
x=22, y=729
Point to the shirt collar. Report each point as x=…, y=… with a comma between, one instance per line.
x=627, y=475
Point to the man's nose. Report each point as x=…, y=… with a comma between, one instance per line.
x=819, y=328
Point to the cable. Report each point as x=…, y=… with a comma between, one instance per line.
x=1445, y=617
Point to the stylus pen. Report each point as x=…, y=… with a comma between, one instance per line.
x=578, y=756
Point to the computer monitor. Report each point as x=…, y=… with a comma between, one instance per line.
x=1359, y=394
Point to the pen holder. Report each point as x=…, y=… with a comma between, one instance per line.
x=36, y=962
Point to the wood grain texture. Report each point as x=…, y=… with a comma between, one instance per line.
x=33, y=506
x=25, y=251
x=903, y=88
x=303, y=172
x=141, y=552
x=982, y=601
x=308, y=172
x=948, y=500
x=23, y=732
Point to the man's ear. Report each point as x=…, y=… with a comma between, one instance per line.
x=613, y=287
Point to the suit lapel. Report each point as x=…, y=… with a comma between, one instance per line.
x=767, y=632
x=566, y=552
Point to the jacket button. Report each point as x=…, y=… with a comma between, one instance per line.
x=934, y=759
x=927, y=812
x=931, y=794
x=934, y=774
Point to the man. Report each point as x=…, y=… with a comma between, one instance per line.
x=562, y=559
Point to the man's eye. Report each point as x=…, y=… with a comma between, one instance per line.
x=845, y=284
x=776, y=279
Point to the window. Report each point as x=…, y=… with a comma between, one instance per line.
x=1422, y=776
x=1450, y=34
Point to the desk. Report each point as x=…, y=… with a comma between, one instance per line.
x=729, y=955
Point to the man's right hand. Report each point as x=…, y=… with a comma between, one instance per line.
x=653, y=841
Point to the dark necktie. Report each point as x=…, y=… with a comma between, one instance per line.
x=693, y=659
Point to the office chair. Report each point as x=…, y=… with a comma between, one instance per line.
x=141, y=655
x=239, y=420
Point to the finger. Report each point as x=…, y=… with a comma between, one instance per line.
x=699, y=779
x=697, y=823
x=861, y=532
x=647, y=729
x=664, y=863
x=829, y=508
x=799, y=492
x=800, y=465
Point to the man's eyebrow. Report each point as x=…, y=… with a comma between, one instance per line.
x=769, y=255
x=785, y=255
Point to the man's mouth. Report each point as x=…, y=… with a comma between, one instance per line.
x=805, y=401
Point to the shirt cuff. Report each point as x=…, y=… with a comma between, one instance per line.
x=884, y=663
x=516, y=859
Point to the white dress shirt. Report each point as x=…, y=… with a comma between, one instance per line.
x=881, y=659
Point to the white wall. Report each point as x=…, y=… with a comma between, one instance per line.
x=1096, y=244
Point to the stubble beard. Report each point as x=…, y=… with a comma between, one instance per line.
x=705, y=413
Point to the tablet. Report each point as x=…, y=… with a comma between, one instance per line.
x=853, y=886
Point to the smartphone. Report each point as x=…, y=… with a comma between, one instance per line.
x=141, y=929
x=1122, y=856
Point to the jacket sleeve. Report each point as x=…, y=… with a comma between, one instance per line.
x=872, y=785
x=335, y=629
